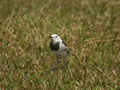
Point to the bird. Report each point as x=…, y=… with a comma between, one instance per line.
x=59, y=47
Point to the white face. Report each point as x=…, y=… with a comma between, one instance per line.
x=55, y=38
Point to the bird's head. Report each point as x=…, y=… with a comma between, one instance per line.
x=55, y=38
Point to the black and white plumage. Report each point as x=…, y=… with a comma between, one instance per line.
x=58, y=46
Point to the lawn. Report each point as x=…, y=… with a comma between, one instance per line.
x=91, y=29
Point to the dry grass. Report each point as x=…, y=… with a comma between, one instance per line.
x=90, y=28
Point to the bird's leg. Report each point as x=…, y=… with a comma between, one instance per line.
x=57, y=60
x=66, y=62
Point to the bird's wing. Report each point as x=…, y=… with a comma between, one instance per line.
x=64, y=43
x=65, y=48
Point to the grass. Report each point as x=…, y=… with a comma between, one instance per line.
x=90, y=28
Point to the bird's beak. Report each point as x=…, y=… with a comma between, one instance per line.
x=50, y=36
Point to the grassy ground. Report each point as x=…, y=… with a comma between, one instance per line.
x=91, y=29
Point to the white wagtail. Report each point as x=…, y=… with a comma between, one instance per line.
x=58, y=46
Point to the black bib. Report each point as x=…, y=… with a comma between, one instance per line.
x=54, y=47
